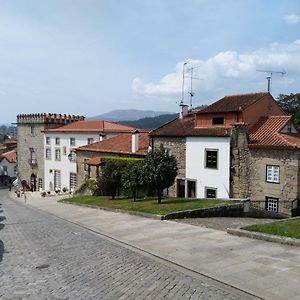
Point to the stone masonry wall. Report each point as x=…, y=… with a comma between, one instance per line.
x=248, y=173
x=177, y=147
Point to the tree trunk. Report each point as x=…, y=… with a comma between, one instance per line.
x=134, y=195
x=159, y=194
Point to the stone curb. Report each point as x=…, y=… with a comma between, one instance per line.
x=134, y=213
x=264, y=237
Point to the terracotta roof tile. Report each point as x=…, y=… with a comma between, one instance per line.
x=10, y=156
x=120, y=144
x=95, y=161
x=267, y=134
x=92, y=126
x=186, y=127
x=233, y=103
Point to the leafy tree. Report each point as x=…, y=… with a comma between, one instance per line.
x=291, y=105
x=159, y=170
x=110, y=181
x=132, y=177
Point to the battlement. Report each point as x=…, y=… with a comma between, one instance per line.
x=48, y=118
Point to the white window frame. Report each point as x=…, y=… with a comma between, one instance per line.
x=48, y=153
x=57, y=154
x=57, y=141
x=205, y=159
x=272, y=204
x=213, y=189
x=73, y=181
x=48, y=140
x=72, y=141
x=273, y=173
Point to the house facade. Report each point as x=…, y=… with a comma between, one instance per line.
x=219, y=156
x=61, y=170
x=8, y=161
x=30, y=149
x=134, y=144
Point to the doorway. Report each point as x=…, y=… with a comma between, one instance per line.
x=33, y=182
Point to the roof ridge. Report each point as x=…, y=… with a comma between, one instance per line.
x=244, y=94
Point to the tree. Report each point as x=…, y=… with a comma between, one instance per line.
x=291, y=105
x=159, y=170
x=132, y=177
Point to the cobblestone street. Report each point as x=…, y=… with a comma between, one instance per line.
x=44, y=257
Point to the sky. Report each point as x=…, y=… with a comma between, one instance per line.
x=89, y=57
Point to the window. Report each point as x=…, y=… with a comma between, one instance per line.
x=40, y=183
x=72, y=156
x=47, y=140
x=90, y=141
x=72, y=141
x=210, y=193
x=191, y=187
x=57, y=180
x=57, y=154
x=272, y=174
x=33, y=130
x=73, y=181
x=33, y=159
x=48, y=153
x=218, y=120
x=272, y=204
x=57, y=141
x=211, y=160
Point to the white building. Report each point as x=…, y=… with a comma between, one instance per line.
x=60, y=144
x=8, y=162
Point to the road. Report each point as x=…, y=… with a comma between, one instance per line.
x=45, y=257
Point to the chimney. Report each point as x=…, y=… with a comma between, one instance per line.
x=101, y=136
x=183, y=110
x=134, y=141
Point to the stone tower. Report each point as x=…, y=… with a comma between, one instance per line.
x=30, y=151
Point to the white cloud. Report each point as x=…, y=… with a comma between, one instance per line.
x=228, y=72
x=292, y=19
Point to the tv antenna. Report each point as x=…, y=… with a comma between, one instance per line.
x=270, y=75
x=191, y=92
x=183, y=77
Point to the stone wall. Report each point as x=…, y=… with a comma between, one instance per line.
x=248, y=173
x=176, y=147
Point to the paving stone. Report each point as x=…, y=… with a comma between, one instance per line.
x=44, y=257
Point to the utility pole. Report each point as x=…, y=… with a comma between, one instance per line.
x=269, y=76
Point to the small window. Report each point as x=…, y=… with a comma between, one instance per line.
x=33, y=130
x=218, y=120
x=272, y=204
x=86, y=167
x=57, y=141
x=33, y=157
x=272, y=174
x=40, y=183
x=90, y=141
x=48, y=153
x=72, y=141
x=57, y=154
x=210, y=193
x=211, y=159
x=47, y=140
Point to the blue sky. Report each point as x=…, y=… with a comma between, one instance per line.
x=89, y=57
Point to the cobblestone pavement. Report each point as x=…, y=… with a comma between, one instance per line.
x=223, y=223
x=44, y=257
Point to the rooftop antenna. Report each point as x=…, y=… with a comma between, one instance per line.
x=192, y=94
x=183, y=76
x=269, y=76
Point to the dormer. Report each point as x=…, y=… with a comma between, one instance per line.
x=289, y=128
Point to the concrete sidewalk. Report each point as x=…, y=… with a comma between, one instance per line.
x=267, y=270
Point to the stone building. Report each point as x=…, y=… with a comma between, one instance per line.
x=135, y=144
x=30, y=149
x=235, y=148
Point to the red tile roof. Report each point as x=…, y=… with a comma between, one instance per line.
x=267, y=134
x=92, y=126
x=186, y=127
x=233, y=103
x=10, y=156
x=95, y=161
x=120, y=144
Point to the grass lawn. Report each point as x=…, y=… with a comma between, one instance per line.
x=168, y=205
x=288, y=228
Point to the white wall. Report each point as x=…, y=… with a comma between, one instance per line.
x=10, y=167
x=195, y=165
x=64, y=165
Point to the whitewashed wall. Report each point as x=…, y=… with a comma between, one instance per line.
x=195, y=165
x=10, y=167
x=64, y=165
